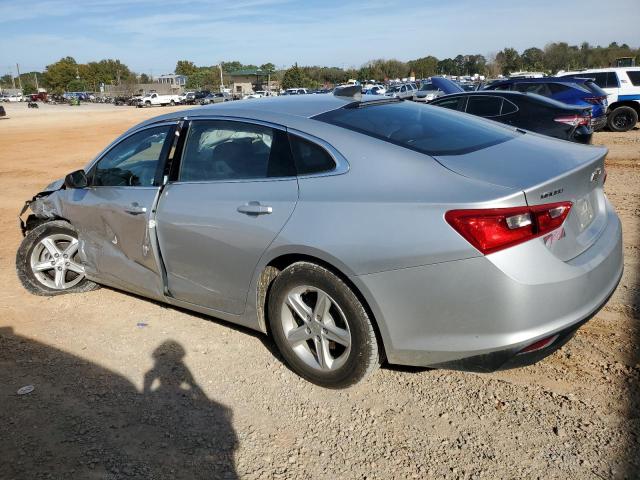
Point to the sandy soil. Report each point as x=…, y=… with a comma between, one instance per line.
x=184, y=396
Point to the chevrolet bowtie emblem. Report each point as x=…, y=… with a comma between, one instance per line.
x=595, y=175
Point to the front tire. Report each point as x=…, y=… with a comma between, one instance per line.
x=48, y=263
x=321, y=328
x=622, y=119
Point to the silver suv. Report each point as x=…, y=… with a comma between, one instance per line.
x=406, y=91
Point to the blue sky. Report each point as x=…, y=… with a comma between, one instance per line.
x=151, y=35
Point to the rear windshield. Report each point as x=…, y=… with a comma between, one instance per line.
x=591, y=85
x=423, y=128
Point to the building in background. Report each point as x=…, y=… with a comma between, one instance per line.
x=176, y=81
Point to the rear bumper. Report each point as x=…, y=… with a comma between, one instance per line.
x=598, y=123
x=472, y=315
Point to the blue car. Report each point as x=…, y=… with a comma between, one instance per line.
x=570, y=90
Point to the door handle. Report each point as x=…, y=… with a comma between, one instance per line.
x=254, y=208
x=135, y=209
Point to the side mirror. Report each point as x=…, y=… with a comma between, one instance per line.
x=77, y=179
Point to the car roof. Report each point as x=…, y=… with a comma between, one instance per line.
x=268, y=109
x=566, y=79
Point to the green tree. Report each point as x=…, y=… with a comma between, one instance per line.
x=76, y=86
x=293, y=77
x=268, y=67
x=533, y=59
x=58, y=75
x=144, y=78
x=6, y=81
x=447, y=67
x=424, y=67
x=185, y=67
x=510, y=60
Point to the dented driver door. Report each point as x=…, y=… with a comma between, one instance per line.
x=112, y=214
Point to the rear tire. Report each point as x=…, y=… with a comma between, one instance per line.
x=622, y=119
x=47, y=261
x=321, y=328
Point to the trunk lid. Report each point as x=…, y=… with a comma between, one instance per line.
x=547, y=171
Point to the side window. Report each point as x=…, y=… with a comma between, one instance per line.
x=557, y=88
x=612, y=80
x=503, y=87
x=508, y=107
x=452, y=103
x=484, y=106
x=403, y=89
x=309, y=157
x=218, y=150
x=634, y=76
x=539, y=88
x=133, y=161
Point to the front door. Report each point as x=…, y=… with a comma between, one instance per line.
x=112, y=214
x=235, y=191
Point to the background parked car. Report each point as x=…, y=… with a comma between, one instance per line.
x=428, y=92
x=406, y=91
x=581, y=92
x=525, y=110
x=622, y=85
x=216, y=98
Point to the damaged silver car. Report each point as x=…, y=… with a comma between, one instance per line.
x=351, y=229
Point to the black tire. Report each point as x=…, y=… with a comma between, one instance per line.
x=364, y=356
x=172, y=103
x=622, y=119
x=23, y=260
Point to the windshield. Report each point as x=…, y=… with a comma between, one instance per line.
x=427, y=87
x=425, y=129
x=393, y=89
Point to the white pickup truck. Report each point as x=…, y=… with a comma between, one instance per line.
x=152, y=99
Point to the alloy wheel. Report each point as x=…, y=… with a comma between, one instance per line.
x=54, y=262
x=316, y=328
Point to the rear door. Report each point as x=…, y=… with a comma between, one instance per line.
x=112, y=214
x=235, y=190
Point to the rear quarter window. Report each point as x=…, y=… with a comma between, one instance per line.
x=309, y=157
x=423, y=128
x=634, y=76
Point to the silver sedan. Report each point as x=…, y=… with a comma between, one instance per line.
x=352, y=230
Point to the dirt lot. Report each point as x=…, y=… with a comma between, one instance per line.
x=226, y=407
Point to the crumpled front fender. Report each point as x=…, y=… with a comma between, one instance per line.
x=44, y=205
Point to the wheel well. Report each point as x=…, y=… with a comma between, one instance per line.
x=634, y=105
x=278, y=264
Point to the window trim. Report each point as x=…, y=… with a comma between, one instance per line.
x=162, y=161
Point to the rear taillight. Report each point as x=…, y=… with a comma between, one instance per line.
x=595, y=100
x=499, y=228
x=574, y=120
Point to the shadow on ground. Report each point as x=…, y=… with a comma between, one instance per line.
x=84, y=421
x=632, y=423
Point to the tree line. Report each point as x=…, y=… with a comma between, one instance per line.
x=68, y=75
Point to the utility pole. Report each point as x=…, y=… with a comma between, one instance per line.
x=35, y=76
x=221, y=80
x=19, y=79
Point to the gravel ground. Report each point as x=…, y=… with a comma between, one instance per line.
x=128, y=388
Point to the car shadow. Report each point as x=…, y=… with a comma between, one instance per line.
x=266, y=340
x=85, y=421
